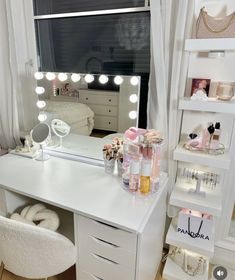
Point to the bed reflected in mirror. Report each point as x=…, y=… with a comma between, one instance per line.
x=91, y=104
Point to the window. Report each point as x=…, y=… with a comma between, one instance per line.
x=42, y=7
x=112, y=42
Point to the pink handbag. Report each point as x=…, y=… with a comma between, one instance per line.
x=214, y=27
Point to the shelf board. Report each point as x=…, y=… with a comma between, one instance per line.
x=211, y=105
x=215, y=161
x=210, y=203
x=172, y=271
x=205, y=45
x=200, y=246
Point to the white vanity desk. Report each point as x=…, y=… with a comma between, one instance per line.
x=119, y=236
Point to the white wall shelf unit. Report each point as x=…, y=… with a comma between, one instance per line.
x=173, y=272
x=200, y=246
x=206, y=45
x=209, y=203
x=217, y=161
x=190, y=111
x=212, y=105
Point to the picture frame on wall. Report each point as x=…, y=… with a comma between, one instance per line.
x=200, y=84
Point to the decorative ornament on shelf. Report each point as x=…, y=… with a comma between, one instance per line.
x=225, y=91
x=199, y=95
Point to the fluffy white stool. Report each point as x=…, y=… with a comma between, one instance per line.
x=33, y=252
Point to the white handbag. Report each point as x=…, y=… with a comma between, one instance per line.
x=193, y=264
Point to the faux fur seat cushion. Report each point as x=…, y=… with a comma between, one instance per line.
x=34, y=252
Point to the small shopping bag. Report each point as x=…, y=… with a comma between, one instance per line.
x=195, y=224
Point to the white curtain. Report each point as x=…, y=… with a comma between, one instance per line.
x=171, y=24
x=9, y=124
x=17, y=96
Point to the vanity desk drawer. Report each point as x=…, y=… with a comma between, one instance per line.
x=100, y=247
x=98, y=267
x=108, y=233
x=105, y=252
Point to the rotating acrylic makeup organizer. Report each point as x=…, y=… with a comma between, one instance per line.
x=141, y=161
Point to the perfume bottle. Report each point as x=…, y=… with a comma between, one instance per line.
x=134, y=175
x=211, y=131
x=205, y=138
x=214, y=144
x=145, y=176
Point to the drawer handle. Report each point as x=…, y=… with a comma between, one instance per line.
x=96, y=277
x=109, y=111
x=103, y=242
x=109, y=122
x=110, y=100
x=102, y=223
x=86, y=98
x=104, y=259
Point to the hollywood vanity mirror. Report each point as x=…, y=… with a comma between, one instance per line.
x=91, y=104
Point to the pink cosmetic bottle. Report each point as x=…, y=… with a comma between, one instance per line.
x=205, y=138
x=134, y=175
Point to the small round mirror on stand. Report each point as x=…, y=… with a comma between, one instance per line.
x=60, y=128
x=41, y=135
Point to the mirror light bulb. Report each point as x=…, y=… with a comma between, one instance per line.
x=75, y=78
x=134, y=81
x=50, y=76
x=62, y=77
x=41, y=104
x=103, y=79
x=133, y=98
x=42, y=117
x=89, y=78
x=118, y=80
x=39, y=90
x=38, y=75
x=132, y=115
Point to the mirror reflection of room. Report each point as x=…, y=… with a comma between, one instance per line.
x=95, y=105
